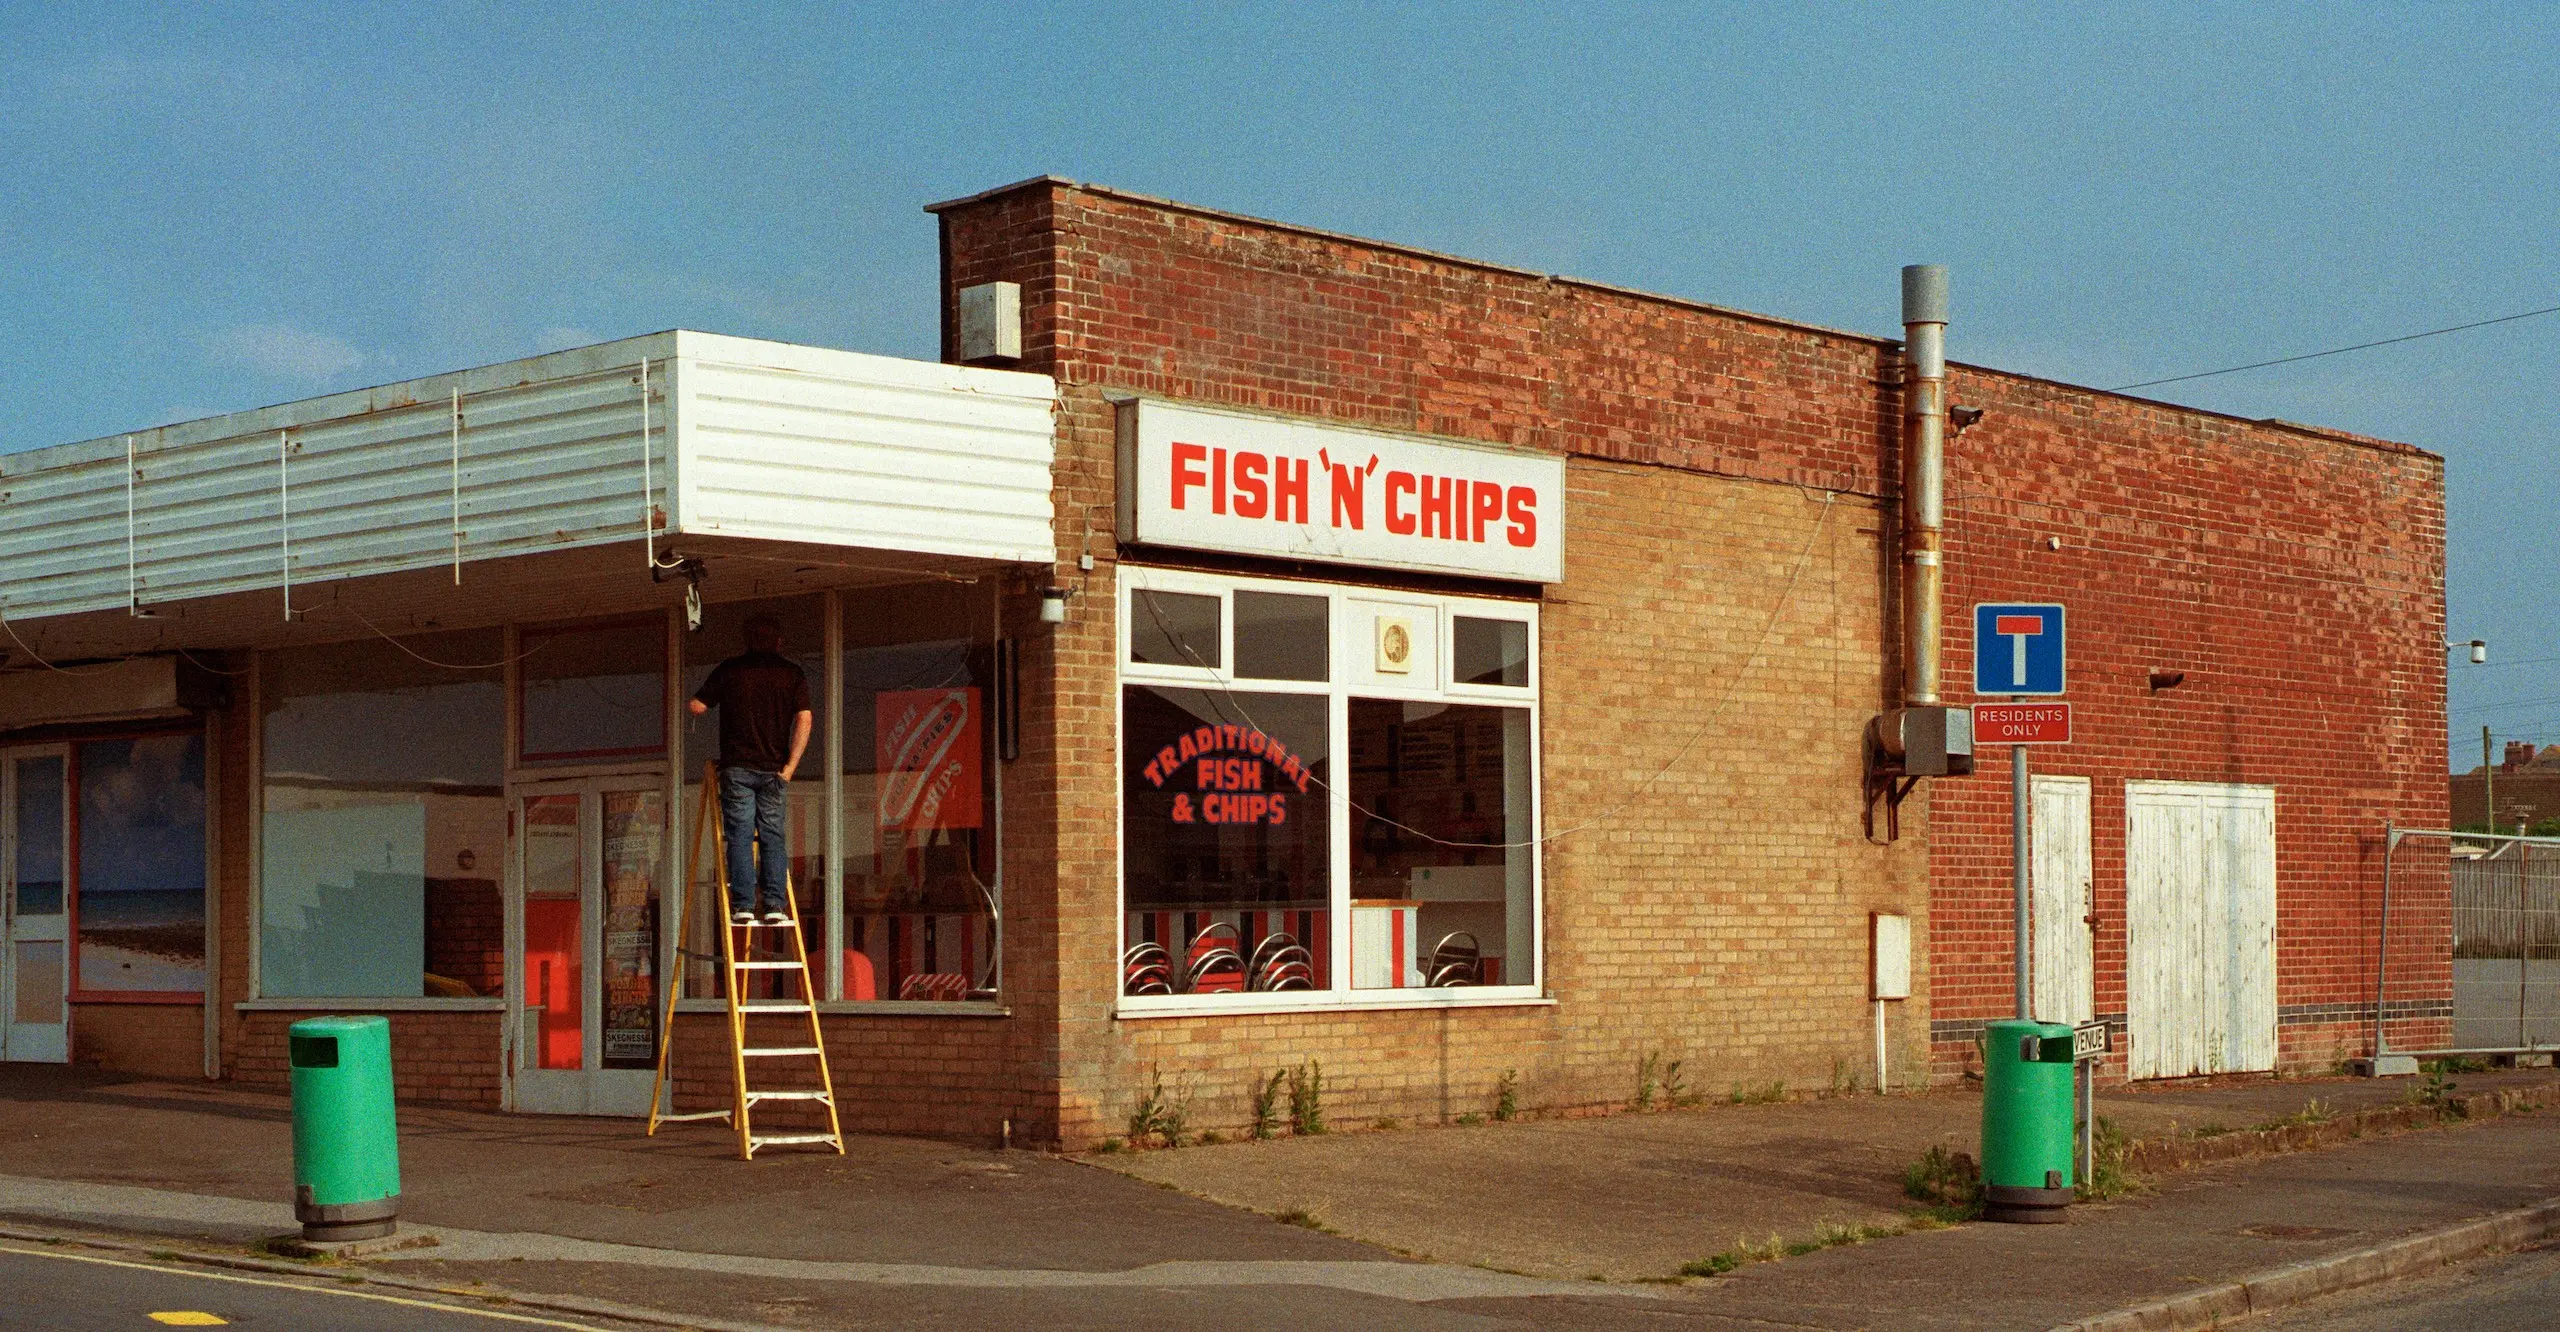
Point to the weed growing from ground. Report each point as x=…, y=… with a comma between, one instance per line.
x=1470, y=1119
x=1827, y=1235
x=1506, y=1096
x=2436, y=1092
x=1306, y=1098
x=1768, y=1093
x=1159, y=1117
x=2108, y=1177
x=1305, y=1217
x=1947, y=1184
x=1648, y=1079
x=1266, y=1105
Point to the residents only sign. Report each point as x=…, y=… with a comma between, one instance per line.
x=1264, y=485
x=2022, y=723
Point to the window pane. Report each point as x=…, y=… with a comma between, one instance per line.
x=555, y=948
x=40, y=846
x=1437, y=898
x=595, y=693
x=1173, y=629
x=1491, y=652
x=384, y=826
x=920, y=913
x=142, y=865
x=1281, y=637
x=1227, y=882
x=635, y=841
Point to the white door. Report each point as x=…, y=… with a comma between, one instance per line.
x=2200, y=913
x=35, y=962
x=582, y=943
x=2061, y=905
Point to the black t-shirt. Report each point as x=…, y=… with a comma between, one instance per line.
x=760, y=695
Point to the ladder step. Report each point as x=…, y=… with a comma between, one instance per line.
x=783, y=1138
x=697, y=1114
x=766, y=925
x=754, y=1096
x=773, y=1006
x=765, y=966
x=755, y=1051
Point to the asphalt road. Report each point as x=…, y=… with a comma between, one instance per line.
x=77, y=1291
x=2510, y=1292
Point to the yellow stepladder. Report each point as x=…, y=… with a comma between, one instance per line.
x=740, y=964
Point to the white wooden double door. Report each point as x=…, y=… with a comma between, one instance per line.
x=2200, y=928
x=2200, y=915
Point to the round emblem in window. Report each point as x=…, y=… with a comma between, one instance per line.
x=1395, y=645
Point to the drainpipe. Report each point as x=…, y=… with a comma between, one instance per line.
x=1924, y=476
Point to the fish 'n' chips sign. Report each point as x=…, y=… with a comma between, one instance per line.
x=927, y=749
x=1264, y=485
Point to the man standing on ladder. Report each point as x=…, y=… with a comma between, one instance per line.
x=763, y=699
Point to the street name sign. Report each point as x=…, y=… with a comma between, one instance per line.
x=2017, y=648
x=2088, y=1041
x=2022, y=723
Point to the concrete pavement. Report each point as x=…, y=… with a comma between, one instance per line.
x=905, y=1233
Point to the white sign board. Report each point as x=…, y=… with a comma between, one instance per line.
x=1893, y=956
x=1290, y=489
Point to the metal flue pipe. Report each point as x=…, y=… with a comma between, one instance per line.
x=1924, y=475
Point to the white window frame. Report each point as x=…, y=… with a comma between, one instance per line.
x=1347, y=675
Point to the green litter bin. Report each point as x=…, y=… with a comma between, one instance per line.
x=2026, y=1122
x=346, y=1136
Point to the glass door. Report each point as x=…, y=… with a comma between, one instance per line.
x=582, y=943
x=35, y=807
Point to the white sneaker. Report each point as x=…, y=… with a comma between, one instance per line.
x=776, y=918
x=742, y=918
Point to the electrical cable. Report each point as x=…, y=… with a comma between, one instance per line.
x=441, y=665
x=38, y=658
x=2336, y=351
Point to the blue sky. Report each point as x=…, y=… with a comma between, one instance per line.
x=218, y=206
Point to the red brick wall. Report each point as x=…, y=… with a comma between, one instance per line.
x=1730, y=924
x=2296, y=578
x=164, y=1040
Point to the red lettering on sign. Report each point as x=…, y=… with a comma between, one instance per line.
x=1345, y=487
x=1217, y=480
x=1439, y=515
x=1186, y=470
x=1252, y=495
x=1524, y=516
x=1289, y=489
x=1398, y=521
x=1488, y=509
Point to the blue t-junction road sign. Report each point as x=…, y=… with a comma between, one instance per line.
x=2017, y=648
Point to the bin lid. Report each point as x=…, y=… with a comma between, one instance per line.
x=336, y=1026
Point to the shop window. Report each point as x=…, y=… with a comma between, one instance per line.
x=1174, y=629
x=1233, y=818
x=1281, y=636
x=595, y=692
x=1225, y=859
x=383, y=823
x=1440, y=880
x=142, y=869
x=922, y=915
x=1490, y=652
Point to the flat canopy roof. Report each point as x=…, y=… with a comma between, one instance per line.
x=722, y=442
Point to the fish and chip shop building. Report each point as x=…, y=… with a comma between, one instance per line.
x=1247, y=646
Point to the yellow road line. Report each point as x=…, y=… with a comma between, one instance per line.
x=300, y=1286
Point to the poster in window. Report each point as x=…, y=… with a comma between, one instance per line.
x=635, y=827
x=141, y=877
x=928, y=753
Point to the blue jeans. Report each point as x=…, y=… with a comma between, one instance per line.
x=751, y=814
